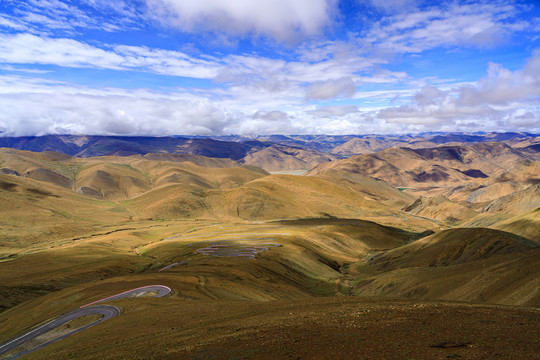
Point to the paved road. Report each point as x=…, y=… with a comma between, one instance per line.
x=106, y=311
x=172, y=265
x=160, y=289
x=243, y=247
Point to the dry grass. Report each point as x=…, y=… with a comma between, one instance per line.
x=61, y=250
x=322, y=328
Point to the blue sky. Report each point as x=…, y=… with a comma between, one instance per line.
x=210, y=67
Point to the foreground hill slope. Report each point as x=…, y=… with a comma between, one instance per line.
x=203, y=316
x=454, y=246
x=475, y=265
x=318, y=328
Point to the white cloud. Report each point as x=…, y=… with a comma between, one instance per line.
x=262, y=122
x=166, y=62
x=503, y=100
x=252, y=93
x=330, y=78
x=331, y=89
x=38, y=106
x=45, y=17
x=31, y=49
x=429, y=95
x=524, y=120
x=479, y=24
x=12, y=23
x=502, y=86
x=331, y=111
x=107, y=114
x=283, y=20
x=23, y=70
x=274, y=115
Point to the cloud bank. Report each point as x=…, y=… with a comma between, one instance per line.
x=502, y=99
x=283, y=20
x=303, y=72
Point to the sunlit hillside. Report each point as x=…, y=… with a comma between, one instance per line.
x=396, y=230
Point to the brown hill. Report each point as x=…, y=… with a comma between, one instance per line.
x=373, y=165
x=270, y=197
x=112, y=181
x=524, y=171
x=272, y=159
x=516, y=202
x=489, y=191
x=532, y=150
x=368, y=187
x=286, y=196
x=196, y=159
x=279, y=158
x=36, y=213
x=518, y=177
x=46, y=166
x=488, y=158
x=502, y=279
x=476, y=265
x=440, y=208
x=458, y=172
x=175, y=186
x=366, y=145
x=525, y=224
x=451, y=247
x=50, y=177
x=117, y=178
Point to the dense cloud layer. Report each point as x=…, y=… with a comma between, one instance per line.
x=312, y=74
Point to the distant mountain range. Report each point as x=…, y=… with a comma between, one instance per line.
x=271, y=152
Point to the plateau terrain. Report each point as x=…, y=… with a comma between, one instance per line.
x=304, y=247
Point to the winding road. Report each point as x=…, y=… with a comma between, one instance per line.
x=106, y=312
x=246, y=248
x=161, y=291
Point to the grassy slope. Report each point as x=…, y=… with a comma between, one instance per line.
x=35, y=214
x=81, y=249
x=475, y=265
x=307, y=262
x=320, y=328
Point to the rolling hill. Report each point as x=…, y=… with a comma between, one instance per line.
x=475, y=265
x=356, y=246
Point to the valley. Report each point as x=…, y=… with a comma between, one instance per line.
x=375, y=236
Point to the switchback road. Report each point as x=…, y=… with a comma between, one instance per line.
x=106, y=312
x=161, y=291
